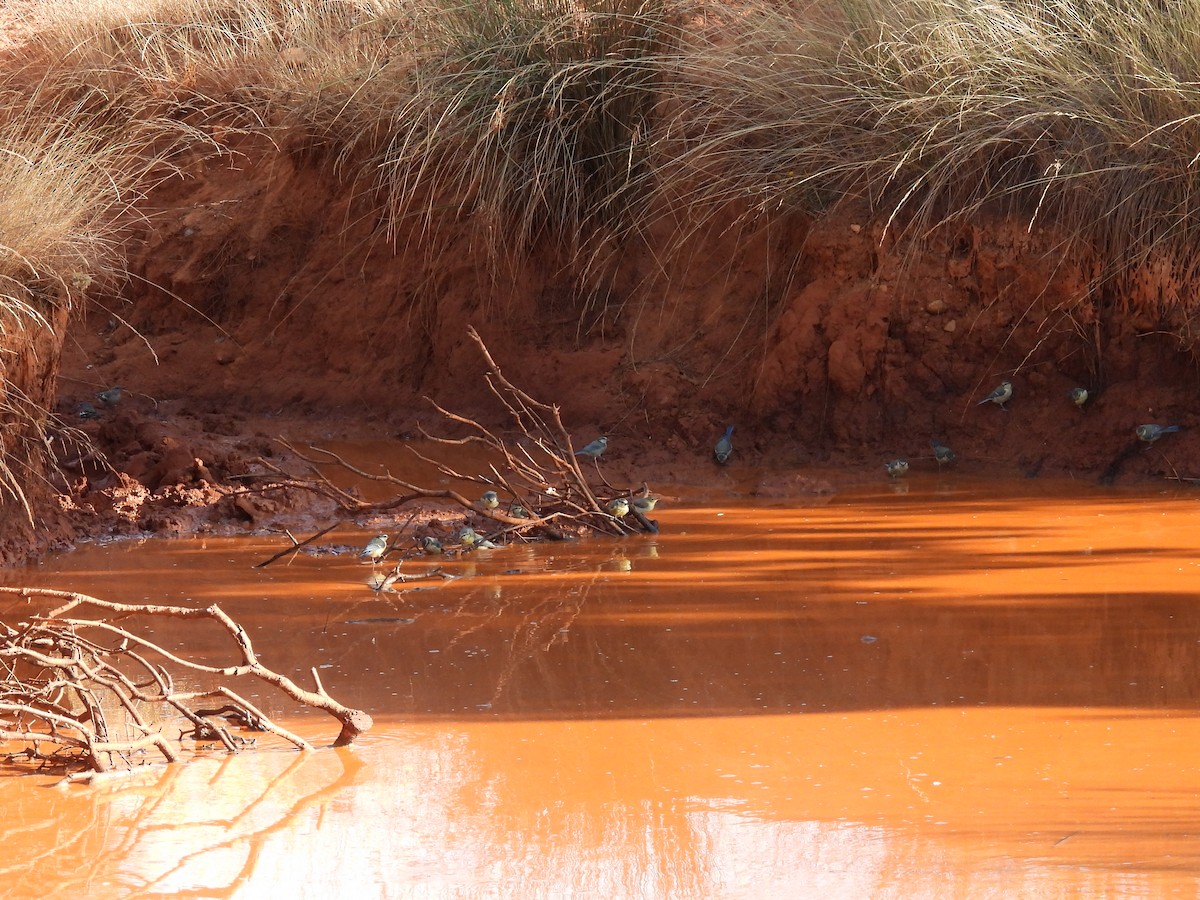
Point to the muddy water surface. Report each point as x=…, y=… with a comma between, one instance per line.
x=946, y=688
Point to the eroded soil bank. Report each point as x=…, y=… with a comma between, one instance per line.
x=263, y=293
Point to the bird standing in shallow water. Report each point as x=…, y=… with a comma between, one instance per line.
x=724, y=448
x=375, y=548
x=1151, y=433
x=595, y=449
x=618, y=506
x=490, y=500
x=999, y=396
x=941, y=453
x=1079, y=396
x=896, y=467
x=431, y=545
x=518, y=512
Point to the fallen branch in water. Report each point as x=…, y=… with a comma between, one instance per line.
x=546, y=489
x=91, y=694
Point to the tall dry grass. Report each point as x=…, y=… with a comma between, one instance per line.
x=548, y=121
x=65, y=185
x=1079, y=115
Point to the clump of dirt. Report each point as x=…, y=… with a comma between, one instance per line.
x=263, y=291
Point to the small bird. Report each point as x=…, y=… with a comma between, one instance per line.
x=111, y=397
x=87, y=411
x=490, y=500
x=645, y=504
x=518, y=512
x=468, y=537
x=595, y=449
x=618, y=506
x=724, y=447
x=431, y=545
x=375, y=548
x=941, y=453
x=896, y=467
x=999, y=396
x=1151, y=433
x=1079, y=396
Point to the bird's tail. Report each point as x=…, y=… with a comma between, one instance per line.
x=729, y=432
x=1171, y=428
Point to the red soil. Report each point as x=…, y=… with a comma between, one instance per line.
x=264, y=289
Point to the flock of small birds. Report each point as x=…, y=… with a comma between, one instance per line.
x=468, y=539
x=108, y=399
x=1000, y=395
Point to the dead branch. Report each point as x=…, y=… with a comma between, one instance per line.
x=550, y=491
x=91, y=693
x=296, y=545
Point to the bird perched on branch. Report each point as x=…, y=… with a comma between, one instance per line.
x=111, y=397
x=1151, y=433
x=724, y=448
x=471, y=539
x=645, y=504
x=375, y=549
x=595, y=449
x=1079, y=396
x=896, y=467
x=941, y=452
x=619, y=506
x=999, y=396
x=490, y=500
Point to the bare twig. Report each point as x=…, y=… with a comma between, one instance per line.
x=60, y=688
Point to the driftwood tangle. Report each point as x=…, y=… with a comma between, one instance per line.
x=537, y=471
x=87, y=693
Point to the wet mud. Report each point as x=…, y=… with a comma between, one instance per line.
x=943, y=686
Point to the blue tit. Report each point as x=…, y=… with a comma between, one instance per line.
x=375, y=549
x=645, y=504
x=468, y=537
x=595, y=449
x=999, y=396
x=431, y=545
x=518, y=512
x=724, y=448
x=490, y=500
x=618, y=506
x=111, y=397
x=1151, y=433
x=941, y=453
x=897, y=467
x=87, y=411
x=1079, y=396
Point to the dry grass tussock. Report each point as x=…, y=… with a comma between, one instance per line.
x=64, y=186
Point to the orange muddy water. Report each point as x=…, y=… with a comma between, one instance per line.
x=941, y=688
